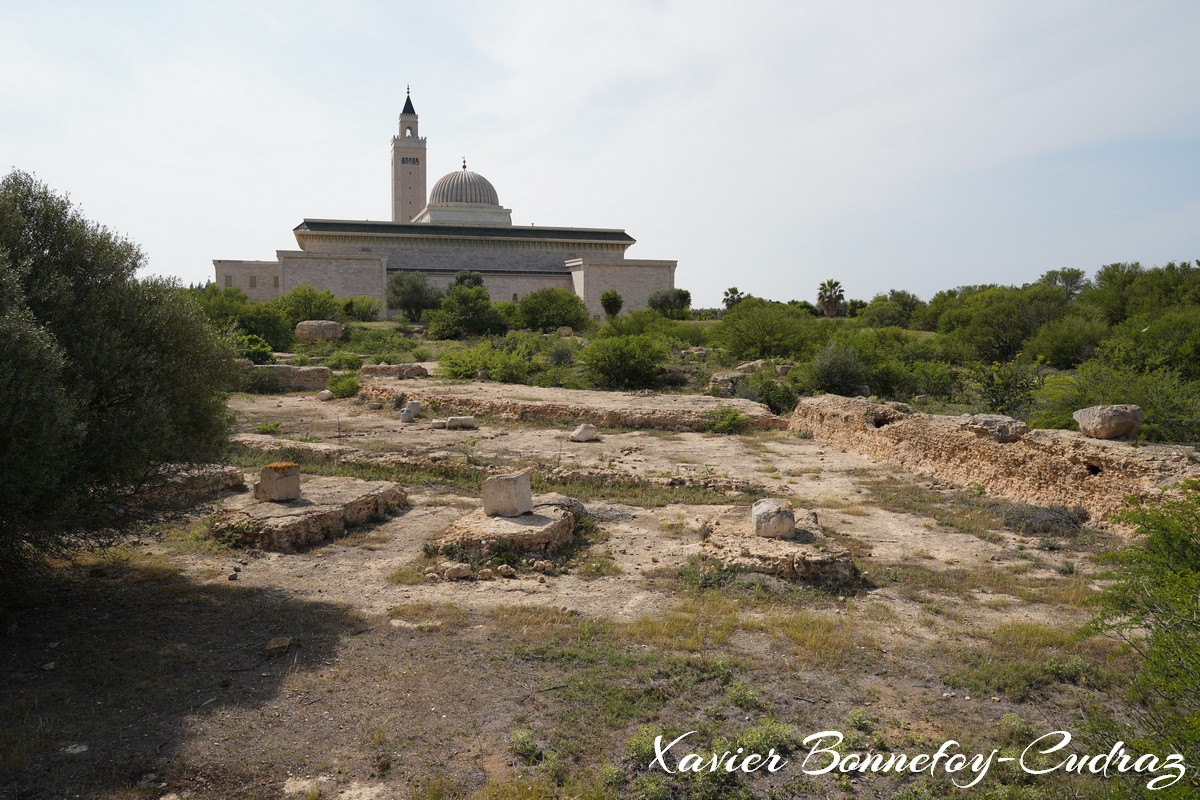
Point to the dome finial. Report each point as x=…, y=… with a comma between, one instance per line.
x=408, y=89
x=464, y=162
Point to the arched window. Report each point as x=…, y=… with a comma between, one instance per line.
x=408, y=132
x=514, y=297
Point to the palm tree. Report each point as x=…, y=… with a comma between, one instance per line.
x=732, y=297
x=830, y=296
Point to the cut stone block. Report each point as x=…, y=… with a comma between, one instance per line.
x=437, y=423
x=278, y=482
x=507, y=495
x=585, y=433
x=773, y=519
x=461, y=423
x=407, y=416
x=317, y=330
x=413, y=407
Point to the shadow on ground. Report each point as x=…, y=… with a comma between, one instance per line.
x=104, y=668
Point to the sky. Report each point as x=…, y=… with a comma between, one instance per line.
x=764, y=145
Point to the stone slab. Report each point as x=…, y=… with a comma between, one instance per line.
x=732, y=542
x=328, y=508
x=548, y=528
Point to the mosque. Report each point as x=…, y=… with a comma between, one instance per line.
x=460, y=226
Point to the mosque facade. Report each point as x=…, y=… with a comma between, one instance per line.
x=459, y=225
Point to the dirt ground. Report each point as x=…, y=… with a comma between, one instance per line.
x=145, y=672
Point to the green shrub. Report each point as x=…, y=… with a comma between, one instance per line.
x=548, y=309
x=838, y=369
x=411, y=293
x=259, y=381
x=465, y=311
x=1044, y=520
x=1067, y=341
x=256, y=349
x=345, y=385
x=624, y=362
x=934, y=378
x=726, y=419
x=1152, y=607
x=343, y=359
x=1009, y=388
x=763, y=386
x=361, y=308
x=611, y=301
x=300, y=360
x=756, y=328
x=305, y=302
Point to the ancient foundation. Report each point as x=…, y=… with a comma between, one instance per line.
x=1045, y=467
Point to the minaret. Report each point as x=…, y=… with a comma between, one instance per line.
x=408, y=166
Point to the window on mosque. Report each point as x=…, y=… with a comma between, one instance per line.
x=276, y=279
x=228, y=281
x=253, y=281
x=408, y=131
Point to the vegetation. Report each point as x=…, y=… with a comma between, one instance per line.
x=612, y=302
x=106, y=378
x=410, y=293
x=1151, y=607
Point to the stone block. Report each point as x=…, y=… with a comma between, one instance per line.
x=437, y=423
x=413, y=407
x=407, y=416
x=773, y=519
x=398, y=371
x=461, y=423
x=318, y=330
x=325, y=395
x=566, y=330
x=1110, y=422
x=584, y=433
x=507, y=495
x=278, y=482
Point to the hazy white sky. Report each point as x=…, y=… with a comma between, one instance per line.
x=767, y=145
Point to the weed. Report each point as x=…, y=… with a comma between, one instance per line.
x=725, y=419
x=524, y=747
x=268, y=427
x=743, y=695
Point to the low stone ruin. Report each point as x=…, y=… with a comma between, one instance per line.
x=1047, y=467
x=318, y=330
x=297, y=377
x=511, y=518
x=398, y=371
x=322, y=509
x=768, y=542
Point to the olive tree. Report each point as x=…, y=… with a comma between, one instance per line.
x=107, y=378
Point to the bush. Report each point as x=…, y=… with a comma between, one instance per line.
x=465, y=311
x=756, y=328
x=1009, y=388
x=611, y=301
x=343, y=359
x=762, y=386
x=934, y=378
x=411, y=293
x=672, y=303
x=345, y=385
x=549, y=309
x=1152, y=608
x=624, y=362
x=305, y=302
x=362, y=308
x=106, y=378
x=725, y=419
x=256, y=349
x=259, y=381
x=1044, y=520
x=1171, y=403
x=838, y=369
x=1068, y=341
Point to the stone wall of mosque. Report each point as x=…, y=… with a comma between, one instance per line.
x=260, y=280
x=634, y=279
x=344, y=275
